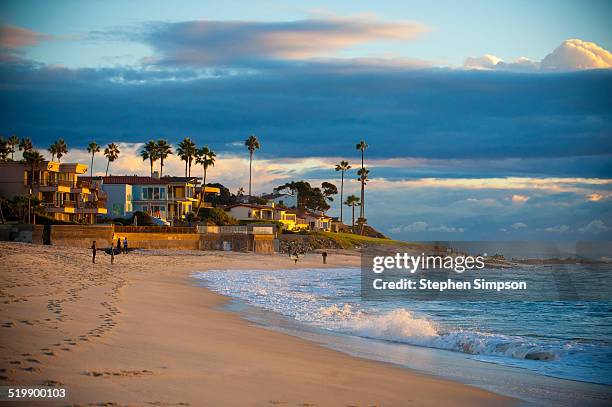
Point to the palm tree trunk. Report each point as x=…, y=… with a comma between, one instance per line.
x=361, y=211
x=161, y=167
x=250, y=169
x=353, y=223
x=151, y=161
x=203, y=191
x=341, y=194
x=91, y=167
x=185, y=167
x=107, y=164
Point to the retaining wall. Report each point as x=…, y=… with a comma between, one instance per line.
x=22, y=233
x=183, y=241
x=81, y=236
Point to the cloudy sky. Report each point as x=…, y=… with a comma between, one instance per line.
x=485, y=120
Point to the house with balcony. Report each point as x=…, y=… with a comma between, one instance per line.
x=57, y=186
x=291, y=219
x=167, y=198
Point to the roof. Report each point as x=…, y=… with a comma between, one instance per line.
x=253, y=206
x=139, y=180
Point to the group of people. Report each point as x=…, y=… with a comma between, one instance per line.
x=94, y=249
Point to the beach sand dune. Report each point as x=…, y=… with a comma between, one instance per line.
x=140, y=332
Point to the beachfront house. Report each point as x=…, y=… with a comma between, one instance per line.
x=57, y=186
x=167, y=198
x=317, y=221
x=291, y=219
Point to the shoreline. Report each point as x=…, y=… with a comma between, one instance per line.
x=142, y=332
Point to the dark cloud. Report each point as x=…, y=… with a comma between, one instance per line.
x=298, y=111
x=222, y=43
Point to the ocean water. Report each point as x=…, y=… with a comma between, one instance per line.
x=562, y=339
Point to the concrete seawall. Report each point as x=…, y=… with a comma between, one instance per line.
x=234, y=238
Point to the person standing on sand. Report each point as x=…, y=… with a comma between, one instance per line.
x=119, y=244
x=324, y=254
x=125, y=245
x=93, y=252
x=112, y=255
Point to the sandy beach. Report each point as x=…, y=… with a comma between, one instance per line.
x=140, y=332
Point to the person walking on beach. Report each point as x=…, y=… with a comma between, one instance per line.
x=324, y=254
x=93, y=252
x=125, y=245
x=112, y=255
x=119, y=244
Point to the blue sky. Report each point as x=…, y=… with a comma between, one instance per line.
x=485, y=119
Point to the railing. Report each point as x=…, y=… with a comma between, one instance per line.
x=54, y=183
x=229, y=230
x=154, y=229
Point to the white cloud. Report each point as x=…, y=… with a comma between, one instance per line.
x=486, y=61
x=596, y=226
x=519, y=199
x=575, y=54
x=518, y=225
x=555, y=229
x=571, y=55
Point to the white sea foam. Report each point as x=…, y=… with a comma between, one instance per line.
x=329, y=299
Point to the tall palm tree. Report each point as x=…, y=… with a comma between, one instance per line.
x=205, y=157
x=362, y=146
x=363, y=178
x=112, y=153
x=343, y=167
x=62, y=149
x=53, y=150
x=92, y=149
x=33, y=159
x=149, y=152
x=352, y=201
x=252, y=143
x=163, y=151
x=186, y=151
x=25, y=144
x=13, y=142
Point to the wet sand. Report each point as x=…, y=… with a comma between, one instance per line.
x=140, y=332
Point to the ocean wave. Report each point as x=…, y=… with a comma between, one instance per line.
x=403, y=326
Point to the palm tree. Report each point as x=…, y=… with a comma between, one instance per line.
x=163, y=151
x=4, y=150
x=53, y=151
x=343, y=167
x=149, y=152
x=252, y=144
x=240, y=192
x=352, y=201
x=62, y=149
x=25, y=144
x=362, y=146
x=13, y=142
x=205, y=157
x=186, y=151
x=33, y=159
x=92, y=149
x=363, y=178
x=112, y=153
